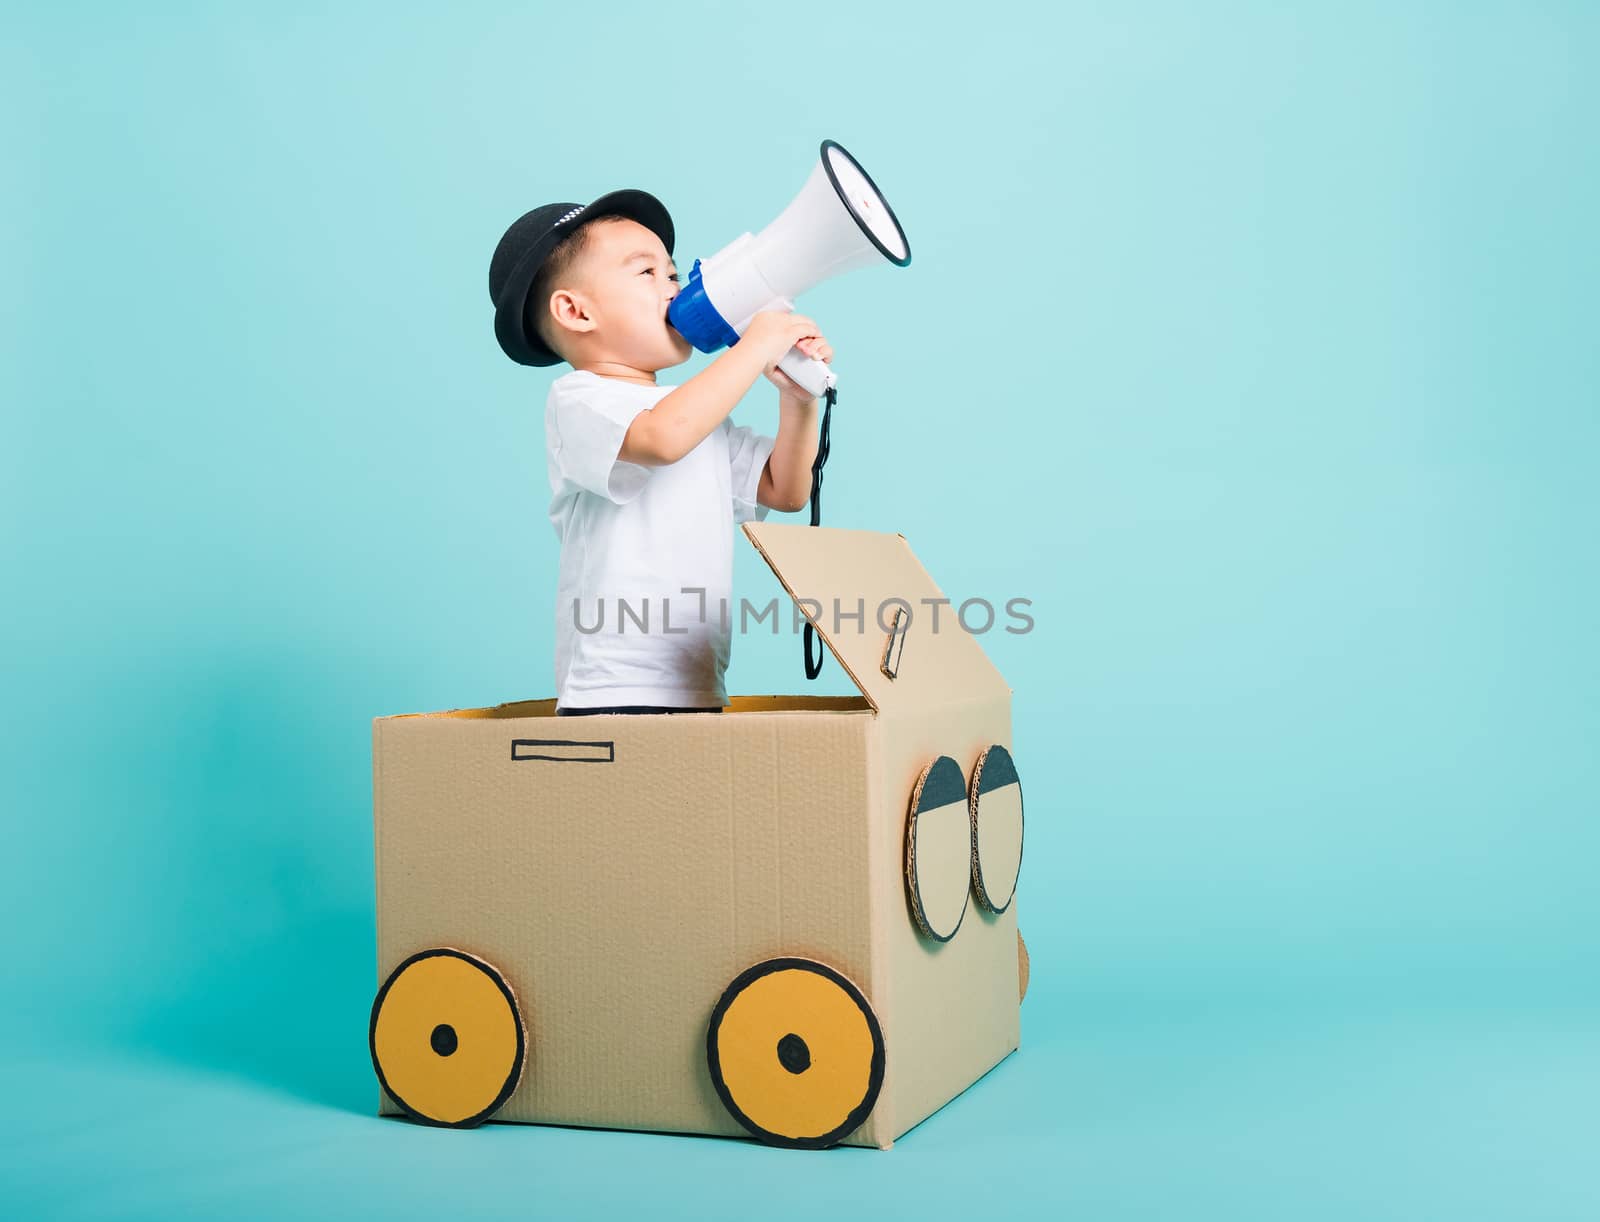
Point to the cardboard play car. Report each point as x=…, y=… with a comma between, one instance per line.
x=793, y=919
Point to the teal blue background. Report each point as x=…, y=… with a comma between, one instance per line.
x=1255, y=345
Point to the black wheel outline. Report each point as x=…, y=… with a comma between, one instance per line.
x=859, y=1113
x=974, y=794
x=518, y=1066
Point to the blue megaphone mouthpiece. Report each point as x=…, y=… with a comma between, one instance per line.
x=695, y=318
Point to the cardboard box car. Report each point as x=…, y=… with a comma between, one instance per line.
x=793, y=919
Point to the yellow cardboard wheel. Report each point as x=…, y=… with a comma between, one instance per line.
x=795, y=1053
x=447, y=1038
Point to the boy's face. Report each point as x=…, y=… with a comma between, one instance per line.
x=629, y=280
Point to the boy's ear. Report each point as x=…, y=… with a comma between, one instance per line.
x=570, y=311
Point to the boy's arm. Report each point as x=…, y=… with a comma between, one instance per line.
x=786, y=479
x=684, y=418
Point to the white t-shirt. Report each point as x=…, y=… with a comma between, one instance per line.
x=639, y=545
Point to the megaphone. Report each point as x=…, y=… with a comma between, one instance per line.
x=838, y=222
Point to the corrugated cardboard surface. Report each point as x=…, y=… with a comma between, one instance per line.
x=952, y=1008
x=864, y=570
x=953, y=1005
x=619, y=899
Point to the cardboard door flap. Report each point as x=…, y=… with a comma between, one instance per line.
x=880, y=614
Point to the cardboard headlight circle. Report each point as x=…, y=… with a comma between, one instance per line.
x=938, y=849
x=795, y=1053
x=996, y=802
x=447, y=1038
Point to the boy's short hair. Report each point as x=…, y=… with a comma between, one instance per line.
x=557, y=265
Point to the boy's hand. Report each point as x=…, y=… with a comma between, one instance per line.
x=773, y=333
x=789, y=390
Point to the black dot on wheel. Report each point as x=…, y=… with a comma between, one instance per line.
x=443, y=1039
x=793, y=1054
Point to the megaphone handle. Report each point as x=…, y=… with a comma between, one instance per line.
x=813, y=375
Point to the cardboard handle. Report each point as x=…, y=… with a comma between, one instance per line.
x=895, y=645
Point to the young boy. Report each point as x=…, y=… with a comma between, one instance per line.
x=647, y=480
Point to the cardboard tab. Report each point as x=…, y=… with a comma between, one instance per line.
x=855, y=580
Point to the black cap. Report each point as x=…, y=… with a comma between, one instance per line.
x=529, y=241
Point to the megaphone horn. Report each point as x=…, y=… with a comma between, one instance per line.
x=838, y=221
